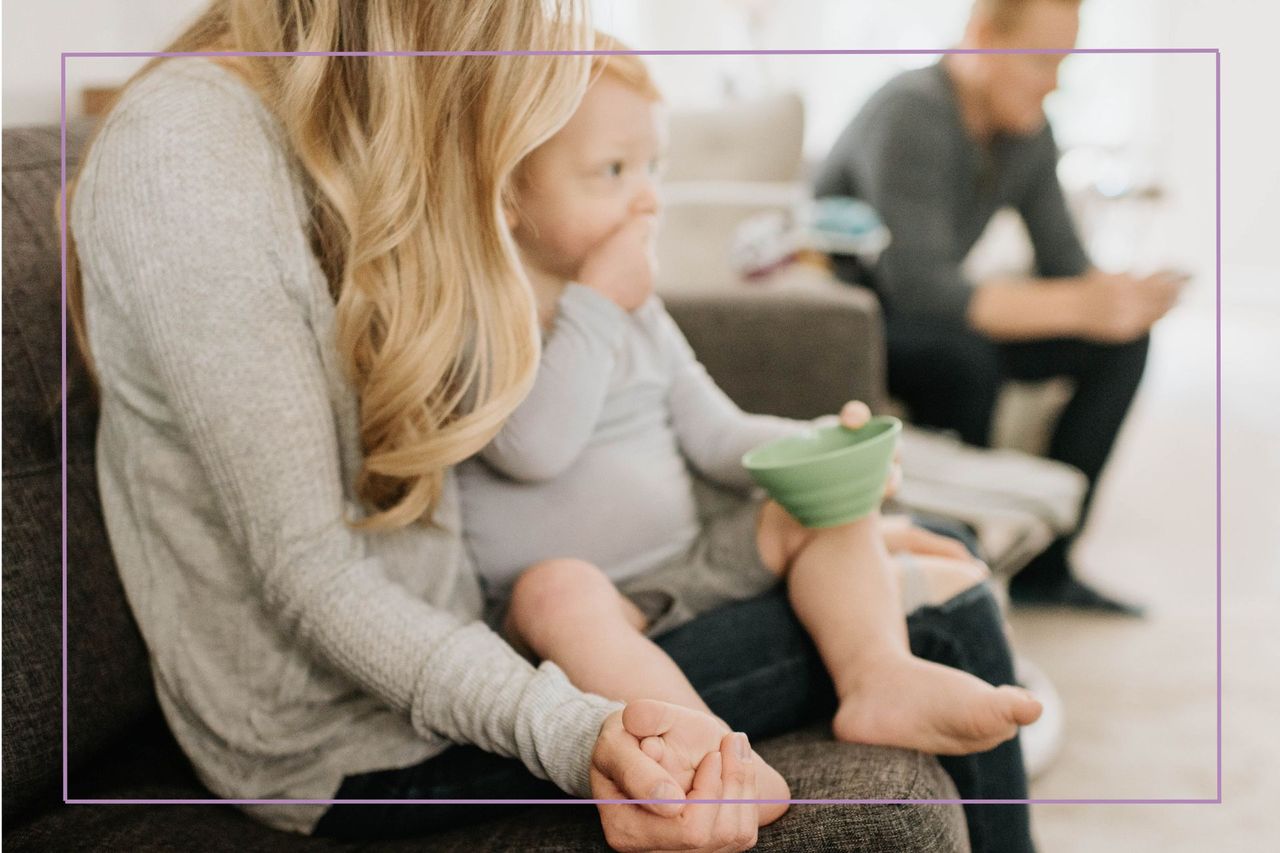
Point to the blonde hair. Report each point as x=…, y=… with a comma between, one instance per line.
x=1005, y=14
x=408, y=162
x=628, y=69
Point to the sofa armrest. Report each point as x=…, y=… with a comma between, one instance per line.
x=796, y=352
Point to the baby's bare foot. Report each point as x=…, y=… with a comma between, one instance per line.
x=770, y=786
x=913, y=703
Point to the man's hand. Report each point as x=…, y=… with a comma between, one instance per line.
x=1097, y=306
x=1121, y=308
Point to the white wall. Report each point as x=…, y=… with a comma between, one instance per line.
x=1155, y=110
x=36, y=32
x=1151, y=103
x=1250, y=166
x=1158, y=108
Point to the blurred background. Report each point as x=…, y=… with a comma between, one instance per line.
x=1138, y=140
x=1145, y=120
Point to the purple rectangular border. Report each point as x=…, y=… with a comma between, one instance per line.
x=1217, y=54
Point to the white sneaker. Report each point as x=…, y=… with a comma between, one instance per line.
x=1042, y=740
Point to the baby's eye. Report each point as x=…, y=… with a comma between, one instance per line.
x=614, y=169
x=657, y=166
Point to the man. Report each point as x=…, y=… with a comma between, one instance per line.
x=937, y=152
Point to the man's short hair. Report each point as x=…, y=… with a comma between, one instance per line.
x=1005, y=14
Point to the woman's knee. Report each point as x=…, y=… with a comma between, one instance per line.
x=552, y=593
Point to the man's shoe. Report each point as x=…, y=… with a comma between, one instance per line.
x=1072, y=593
x=1042, y=740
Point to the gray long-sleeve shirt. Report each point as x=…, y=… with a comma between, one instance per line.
x=594, y=464
x=907, y=153
x=287, y=648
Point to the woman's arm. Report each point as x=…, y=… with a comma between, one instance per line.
x=550, y=429
x=181, y=233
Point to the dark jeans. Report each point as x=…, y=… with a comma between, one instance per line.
x=950, y=378
x=755, y=666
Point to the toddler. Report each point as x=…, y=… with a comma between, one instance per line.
x=598, y=516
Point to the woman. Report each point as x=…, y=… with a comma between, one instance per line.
x=285, y=318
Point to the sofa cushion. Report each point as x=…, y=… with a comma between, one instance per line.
x=119, y=747
x=148, y=765
x=756, y=140
x=724, y=165
x=798, y=352
x=106, y=692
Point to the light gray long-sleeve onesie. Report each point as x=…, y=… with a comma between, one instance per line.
x=595, y=463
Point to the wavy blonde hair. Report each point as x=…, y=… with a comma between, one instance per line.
x=627, y=68
x=409, y=163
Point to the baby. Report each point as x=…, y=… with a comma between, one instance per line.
x=584, y=514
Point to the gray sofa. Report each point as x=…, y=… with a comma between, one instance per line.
x=799, y=355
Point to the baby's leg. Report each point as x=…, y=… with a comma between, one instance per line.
x=569, y=612
x=843, y=587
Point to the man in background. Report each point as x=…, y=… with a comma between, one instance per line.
x=937, y=151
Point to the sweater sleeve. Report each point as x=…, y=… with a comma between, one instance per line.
x=187, y=231
x=901, y=155
x=552, y=426
x=1043, y=208
x=712, y=431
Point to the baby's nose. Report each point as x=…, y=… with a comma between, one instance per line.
x=646, y=199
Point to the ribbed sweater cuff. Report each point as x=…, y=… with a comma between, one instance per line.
x=491, y=697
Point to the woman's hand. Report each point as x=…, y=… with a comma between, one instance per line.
x=942, y=567
x=854, y=415
x=902, y=534
x=631, y=753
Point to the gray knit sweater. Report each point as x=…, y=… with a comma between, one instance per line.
x=288, y=650
x=907, y=153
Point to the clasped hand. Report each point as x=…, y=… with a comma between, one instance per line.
x=658, y=751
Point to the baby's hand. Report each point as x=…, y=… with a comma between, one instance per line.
x=854, y=415
x=622, y=267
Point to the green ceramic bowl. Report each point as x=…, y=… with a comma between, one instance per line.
x=828, y=475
